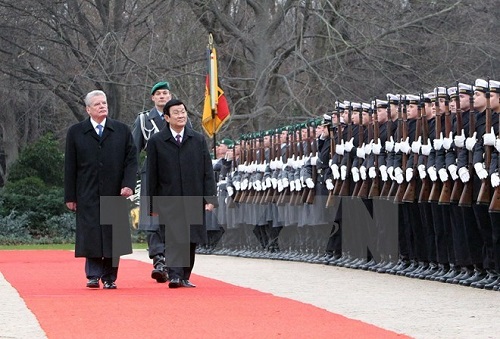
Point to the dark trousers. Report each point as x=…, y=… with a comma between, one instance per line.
x=183, y=272
x=495, y=224
x=105, y=269
x=428, y=231
x=462, y=256
x=484, y=223
x=156, y=242
x=473, y=236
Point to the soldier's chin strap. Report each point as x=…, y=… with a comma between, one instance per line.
x=146, y=133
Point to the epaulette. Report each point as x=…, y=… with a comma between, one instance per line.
x=143, y=112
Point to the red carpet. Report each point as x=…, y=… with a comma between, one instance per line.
x=52, y=283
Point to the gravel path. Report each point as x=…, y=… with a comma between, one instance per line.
x=421, y=309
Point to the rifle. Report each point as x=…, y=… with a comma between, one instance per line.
x=399, y=131
x=495, y=201
x=484, y=196
x=365, y=184
x=240, y=193
x=345, y=188
x=445, y=196
x=467, y=193
x=284, y=197
x=314, y=153
x=250, y=195
x=425, y=189
x=402, y=187
x=411, y=188
x=436, y=185
x=338, y=182
x=270, y=192
x=331, y=194
x=361, y=140
x=261, y=195
x=296, y=197
x=375, y=187
x=230, y=200
x=306, y=190
x=458, y=185
x=277, y=157
x=386, y=187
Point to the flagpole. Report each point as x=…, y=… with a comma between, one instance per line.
x=212, y=88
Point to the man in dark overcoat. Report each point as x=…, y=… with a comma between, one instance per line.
x=100, y=161
x=178, y=166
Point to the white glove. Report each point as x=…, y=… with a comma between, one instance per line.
x=268, y=182
x=343, y=172
x=314, y=160
x=422, y=173
x=362, y=172
x=377, y=147
x=432, y=173
x=236, y=185
x=298, y=185
x=372, y=173
x=495, y=180
x=409, y=174
x=285, y=182
x=471, y=141
x=309, y=183
x=274, y=182
x=329, y=184
x=383, y=172
x=280, y=186
x=460, y=140
x=397, y=147
x=438, y=142
x=415, y=145
x=360, y=152
x=257, y=185
x=339, y=148
x=230, y=191
x=443, y=175
x=368, y=148
x=348, y=146
x=497, y=145
x=453, y=171
x=355, y=174
x=464, y=174
x=405, y=146
x=448, y=141
x=426, y=149
x=335, y=171
x=292, y=185
x=480, y=171
x=398, y=175
x=389, y=145
x=244, y=184
x=489, y=138
x=390, y=172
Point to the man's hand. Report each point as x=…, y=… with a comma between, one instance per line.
x=209, y=207
x=460, y=140
x=471, y=141
x=71, y=206
x=489, y=138
x=432, y=173
x=426, y=149
x=126, y=192
x=448, y=141
x=464, y=174
x=348, y=146
x=480, y=170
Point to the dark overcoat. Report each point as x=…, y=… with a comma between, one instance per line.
x=97, y=167
x=180, y=171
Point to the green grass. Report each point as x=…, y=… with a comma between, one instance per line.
x=136, y=246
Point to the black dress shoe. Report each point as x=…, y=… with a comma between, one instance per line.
x=93, y=283
x=174, y=283
x=492, y=285
x=478, y=275
x=187, y=283
x=159, y=275
x=109, y=285
x=490, y=278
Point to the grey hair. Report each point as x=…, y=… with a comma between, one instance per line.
x=92, y=94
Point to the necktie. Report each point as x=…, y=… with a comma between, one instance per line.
x=178, y=139
x=99, y=128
